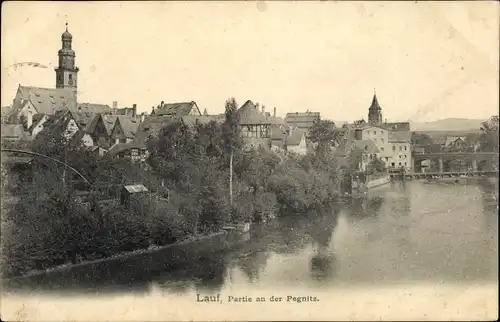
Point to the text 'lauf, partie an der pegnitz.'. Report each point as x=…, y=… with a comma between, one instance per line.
x=247, y=299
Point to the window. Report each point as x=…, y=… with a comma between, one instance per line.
x=405, y=163
x=405, y=148
x=382, y=149
x=382, y=140
x=375, y=132
x=399, y=163
x=400, y=148
x=386, y=158
x=393, y=148
x=393, y=164
x=405, y=156
x=381, y=132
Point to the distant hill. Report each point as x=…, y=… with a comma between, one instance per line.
x=450, y=124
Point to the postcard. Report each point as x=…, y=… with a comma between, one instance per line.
x=249, y=161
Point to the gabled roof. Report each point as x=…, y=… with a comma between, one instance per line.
x=367, y=146
x=176, y=109
x=109, y=122
x=47, y=100
x=452, y=139
x=278, y=132
x=94, y=108
x=36, y=118
x=151, y=126
x=295, y=137
x=135, y=188
x=250, y=115
x=62, y=117
x=84, y=119
x=128, y=124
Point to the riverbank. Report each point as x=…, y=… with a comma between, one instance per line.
x=378, y=182
x=138, y=262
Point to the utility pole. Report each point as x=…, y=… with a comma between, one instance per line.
x=231, y=178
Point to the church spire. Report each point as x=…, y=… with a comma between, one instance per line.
x=375, y=111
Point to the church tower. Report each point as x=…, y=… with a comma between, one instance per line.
x=375, y=112
x=66, y=72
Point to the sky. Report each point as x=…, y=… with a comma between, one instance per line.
x=425, y=60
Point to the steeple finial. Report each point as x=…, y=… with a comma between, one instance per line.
x=66, y=26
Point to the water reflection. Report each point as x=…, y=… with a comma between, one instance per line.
x=399, y=233
x=323, y=263
x=253, y=256
x=207, y=275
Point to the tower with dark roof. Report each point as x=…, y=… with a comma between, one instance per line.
x=66, y=72
x=375, y=111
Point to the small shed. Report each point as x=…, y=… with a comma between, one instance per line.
x=128, y=191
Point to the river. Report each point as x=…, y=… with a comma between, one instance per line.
x=401, y=236
x=409, y=232
x=401, y=233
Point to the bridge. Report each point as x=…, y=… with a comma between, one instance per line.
x=447, y=174
x=471, y=158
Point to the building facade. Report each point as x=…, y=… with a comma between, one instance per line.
x=302, y=121
x=255, y=127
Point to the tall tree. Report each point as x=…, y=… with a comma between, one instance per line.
x=324, y=134
x=232, y=137
x=488, y=139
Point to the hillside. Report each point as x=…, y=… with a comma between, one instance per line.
x=450, y=124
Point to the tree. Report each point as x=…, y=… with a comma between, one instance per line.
x=421, y=139
x=488, y=140
x=324, y=134
x=53, y=142
x=232, y=138
x=376, y=165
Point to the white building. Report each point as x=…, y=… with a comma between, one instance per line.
x=394, y=147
